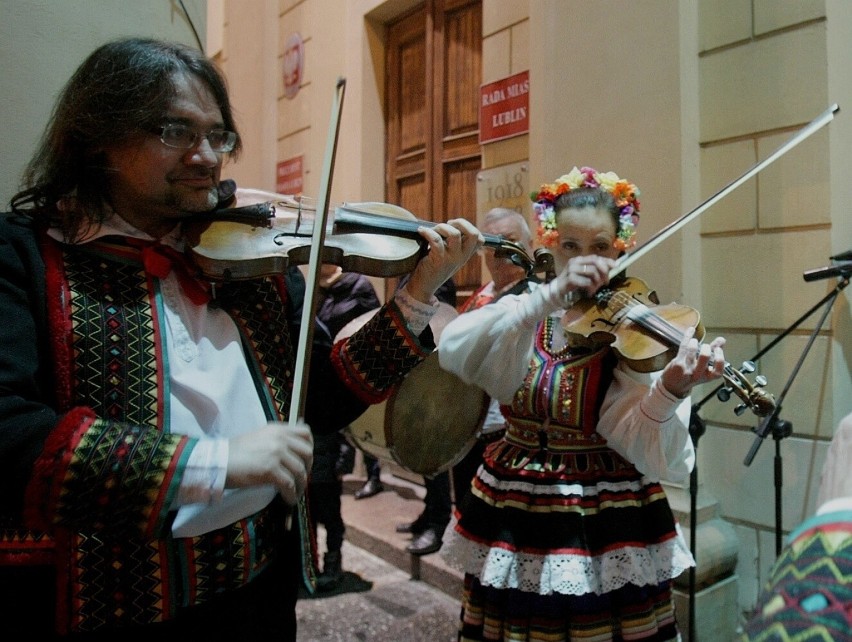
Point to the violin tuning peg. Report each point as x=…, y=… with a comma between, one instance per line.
x=748, y=366
x=740, y=409
x=760, y=380
x=724, y=394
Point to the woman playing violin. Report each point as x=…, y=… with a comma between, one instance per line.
x=566, y=533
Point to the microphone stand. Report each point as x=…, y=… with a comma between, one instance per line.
x=697, y=428
x=780, y=429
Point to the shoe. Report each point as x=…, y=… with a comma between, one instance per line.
x=429, y=541
x=415, y=528
x=332, y=572
x=372, y=487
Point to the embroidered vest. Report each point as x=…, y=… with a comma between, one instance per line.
x=121, y=565
x=562, y=391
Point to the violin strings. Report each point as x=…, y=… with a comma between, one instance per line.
x=381, y=222
x=665, y=329
x=645, y=317
x=648, y=319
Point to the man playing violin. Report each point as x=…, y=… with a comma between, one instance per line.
x=152, y=479
x=566, y=532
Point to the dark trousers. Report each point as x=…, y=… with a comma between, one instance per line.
x=438, y=503
x=465, y=470
x=325, y=510
x=373, y=466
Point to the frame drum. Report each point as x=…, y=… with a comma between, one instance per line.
x=430, y=422
x=367, y=433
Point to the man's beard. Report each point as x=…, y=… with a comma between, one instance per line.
x=196, y=203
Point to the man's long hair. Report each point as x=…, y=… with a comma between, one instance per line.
x=123, y=88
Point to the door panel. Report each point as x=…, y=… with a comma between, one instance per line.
x=460, y=202
x=462, y=69
x=412, y=98
x=434, y=70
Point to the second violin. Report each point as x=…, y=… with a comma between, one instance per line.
x=266, y=232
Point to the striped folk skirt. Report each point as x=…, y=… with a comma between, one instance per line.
x=568, y=544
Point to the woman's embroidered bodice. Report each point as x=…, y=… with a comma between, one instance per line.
x=562, y=390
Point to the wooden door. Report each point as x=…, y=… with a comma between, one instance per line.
x=434, y=71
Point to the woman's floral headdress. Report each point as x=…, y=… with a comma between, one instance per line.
x=624, y=193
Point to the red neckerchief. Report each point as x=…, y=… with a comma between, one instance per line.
x=159, y=260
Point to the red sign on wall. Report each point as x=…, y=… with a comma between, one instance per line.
x=288, y=176
x=504, y=108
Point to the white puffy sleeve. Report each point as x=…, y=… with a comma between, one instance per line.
x=647, y=425
x=491, y=346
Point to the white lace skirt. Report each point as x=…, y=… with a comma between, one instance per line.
x=560, y=526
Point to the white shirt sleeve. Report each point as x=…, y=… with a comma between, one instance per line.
x=647, y=425
x=492, y=346
x=836, y=478
x=203, y=481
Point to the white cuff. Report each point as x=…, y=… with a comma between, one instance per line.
x=204, y=476
x=659, y=404
x=417, y=314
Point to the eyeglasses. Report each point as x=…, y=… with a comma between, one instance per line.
x=183, y=137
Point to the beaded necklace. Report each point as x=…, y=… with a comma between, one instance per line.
x=564, y=348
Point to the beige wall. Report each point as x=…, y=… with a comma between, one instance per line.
x=762, y=77
x=601, y=98
x=341, y=40
x=679, y=97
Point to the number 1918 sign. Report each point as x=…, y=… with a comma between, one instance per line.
x=503, y=186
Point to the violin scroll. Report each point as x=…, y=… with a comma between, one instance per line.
x=543, y=263
x=753, y=396
x=540, y=261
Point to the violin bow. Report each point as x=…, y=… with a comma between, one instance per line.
x=811, y=128
x=306, y=332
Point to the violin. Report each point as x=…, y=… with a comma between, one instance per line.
x=272, y=231
x=627, y=315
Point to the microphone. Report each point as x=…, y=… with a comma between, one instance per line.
x=840, y=269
